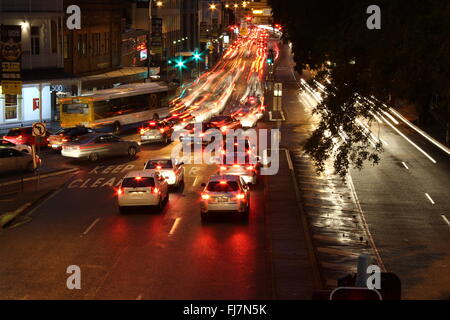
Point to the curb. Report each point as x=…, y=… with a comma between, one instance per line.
x=46, y=175
x=318, y=277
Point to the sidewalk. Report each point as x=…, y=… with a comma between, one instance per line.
x=17, y=199
x=295, y=272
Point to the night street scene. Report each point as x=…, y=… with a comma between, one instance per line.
x=238, y=152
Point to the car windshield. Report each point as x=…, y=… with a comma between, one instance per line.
x=222, y=186
x=237, y=158
x=164, y=164
x=138, y=182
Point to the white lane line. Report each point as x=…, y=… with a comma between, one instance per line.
x=288, y=156
x=404, y=164
x=91, y=226
x=445, y=219
x=407, y=139
x=421, y=132
x=364, y=222
x=429, y=198
x=391, y=117
x=174, y=227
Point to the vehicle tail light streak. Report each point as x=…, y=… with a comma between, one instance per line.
x=205, y=196
x=155, y=190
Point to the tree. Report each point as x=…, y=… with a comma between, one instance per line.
x=363, y=70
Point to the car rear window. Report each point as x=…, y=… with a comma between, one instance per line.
x=165, y=164
x=138, y=183
x=14, y=132
x=237, y=158
x=219, y=186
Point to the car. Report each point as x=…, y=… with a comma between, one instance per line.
x=141, y=188
x=189, y=135
x=12, y=160
x=55, y=141
x=24, y=135
x=224, y=123
x=172, y=172
x=225, y=193
x=244, y=165
x=156, y=131
x=8, y=144
x=97, y=145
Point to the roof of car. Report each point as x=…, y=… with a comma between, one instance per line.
x=137, y=173
x=223, y=177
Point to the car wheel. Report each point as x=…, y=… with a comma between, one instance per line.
x=132, y=152
x=93, y=157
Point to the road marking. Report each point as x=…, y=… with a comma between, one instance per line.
x=445, y=219
x=404, y=164
x=338, y=252
x=407, y=139
x=364, y=222
x=175, y=225
x=421, y=132
x=288, y=156
x=91, y=226
x=429, y=198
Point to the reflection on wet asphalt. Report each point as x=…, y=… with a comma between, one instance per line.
x=335, y=221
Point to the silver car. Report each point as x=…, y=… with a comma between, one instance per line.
x=12, y=160
x=172, y=172
x=8, y=144
x=96, y=146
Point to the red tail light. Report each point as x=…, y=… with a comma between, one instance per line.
x=205, y=196
x=155, y=190
x=158, y=167
x=223, y=168
x=236, y=166
x=119, y=191
x=161, y=130
x=65, y=140
x=138, y=178
x=250, y=167
x=240, y=196
x=142, y=131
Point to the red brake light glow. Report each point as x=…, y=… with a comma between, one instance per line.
x=119, y=192
x=240, y=196
x=155, y=190
x=138, y=178
x=158, y=167
x=223, y=182
x=205, y=196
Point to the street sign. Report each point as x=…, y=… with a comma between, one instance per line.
x=39, y=129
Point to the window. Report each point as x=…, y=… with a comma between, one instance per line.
x=54, y=36
x=66, y=46
x=164, y=164
x=35, y=42
x=138, y=183
x=10, y=106
x=225, y=186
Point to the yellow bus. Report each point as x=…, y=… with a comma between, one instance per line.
x=115, y=109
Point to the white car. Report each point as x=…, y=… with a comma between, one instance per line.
x=225, y=193
x=140, y=188
x=173, y=173
x=21, y=147
x=244, y=165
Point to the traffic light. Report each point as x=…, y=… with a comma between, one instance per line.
x=269, y=61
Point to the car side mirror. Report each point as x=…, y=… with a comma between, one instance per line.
x=203, y=185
